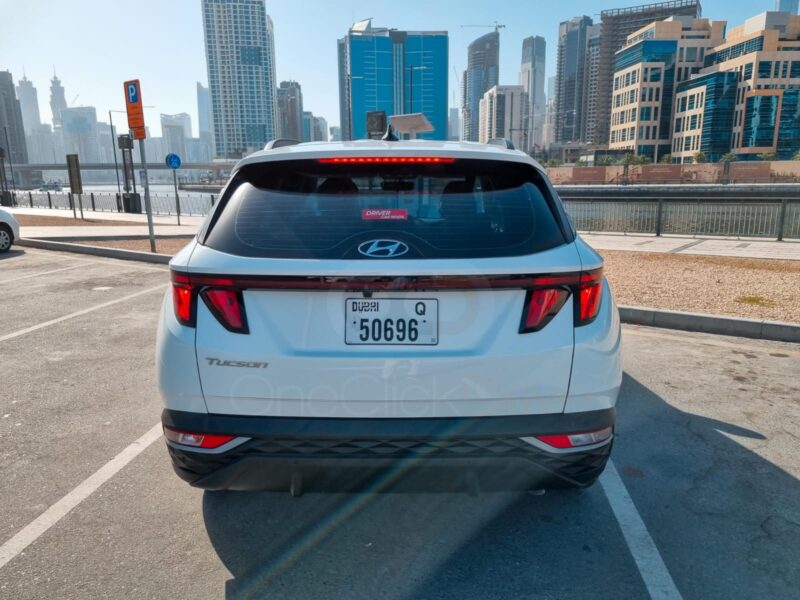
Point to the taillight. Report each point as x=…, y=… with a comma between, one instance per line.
x=574, y=440
x=183, y=299
x=221, y=296
x=540, y=307
x=209, y=441
x=227, y=305
x=590, y=291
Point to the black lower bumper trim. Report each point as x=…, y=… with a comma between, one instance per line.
x=341, y=453
x=418, y=428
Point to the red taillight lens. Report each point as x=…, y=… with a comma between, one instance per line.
x=356, y=160
x=209, y=441
x=590, y=292
x=183, y=299
x=540, y=307
x=574, y=440
x=228, y=307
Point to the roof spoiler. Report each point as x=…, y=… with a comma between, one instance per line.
x=280, y=143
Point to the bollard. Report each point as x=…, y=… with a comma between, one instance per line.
x=49, y=201
x=782, y=219
x=212, y=200
x=30, y=198
x=91, y=195
x=659, y=212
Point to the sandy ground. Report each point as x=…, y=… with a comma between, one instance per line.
x=65, y=221
x=740, y=287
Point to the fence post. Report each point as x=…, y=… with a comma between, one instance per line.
x=91, y=196
x=30, y=198
x=212, y=200
x=49, y=201
x=119, y=206
x=782, y=219
x=659, y=213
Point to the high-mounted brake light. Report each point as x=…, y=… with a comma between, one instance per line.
x=208, y=441
x=574, y=440
x=351, y=160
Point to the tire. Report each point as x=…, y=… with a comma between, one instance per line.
x=6, y=238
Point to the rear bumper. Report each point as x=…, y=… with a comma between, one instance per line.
x=334, y=454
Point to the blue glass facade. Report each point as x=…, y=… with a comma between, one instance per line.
x=718, y=111
x=789, y=134
x=396, y=72
x=766, y=113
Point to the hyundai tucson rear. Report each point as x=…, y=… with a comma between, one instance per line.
x=387, y=308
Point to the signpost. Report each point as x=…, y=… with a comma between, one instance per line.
x=75, y=183
x=135, y=110
x=174, y=162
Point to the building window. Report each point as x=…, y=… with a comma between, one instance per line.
x=645, y=113
x=795, y=71
x=764, y=69
x=655, y=74
x=693, y=122
x=691, y=54
x=678, y=123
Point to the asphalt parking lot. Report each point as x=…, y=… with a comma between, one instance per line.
x=702, y=500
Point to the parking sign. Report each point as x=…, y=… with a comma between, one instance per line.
x=133, y=105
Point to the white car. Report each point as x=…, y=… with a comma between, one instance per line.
x=9, y=230
x=366, y=308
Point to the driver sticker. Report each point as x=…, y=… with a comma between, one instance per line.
x=384, y=214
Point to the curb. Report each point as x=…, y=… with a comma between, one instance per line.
x=775, y=331
x=148, y=257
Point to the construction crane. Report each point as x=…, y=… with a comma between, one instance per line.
x=73, y=100
x=497, y=26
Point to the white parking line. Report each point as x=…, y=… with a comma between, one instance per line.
x=128, y=264
x=42, y=273
x=78, y=313
x=651, y=566
x=31, y=532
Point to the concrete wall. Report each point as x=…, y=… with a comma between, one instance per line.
x=787, y=171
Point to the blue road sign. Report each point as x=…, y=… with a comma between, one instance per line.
x=173, y=161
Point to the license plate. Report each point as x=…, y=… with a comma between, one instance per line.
x=392, y=321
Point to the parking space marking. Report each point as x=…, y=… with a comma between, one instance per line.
x=128, y=264
x=79, y=313
x=645, y=554
x=31, y=532
x=40, y=274
x=686, y=336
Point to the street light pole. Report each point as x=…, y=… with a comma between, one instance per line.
x=114, y=150
x=10, y=160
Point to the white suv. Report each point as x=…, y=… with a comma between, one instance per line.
x=354, y=309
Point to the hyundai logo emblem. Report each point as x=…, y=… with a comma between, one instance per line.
x=382, y=248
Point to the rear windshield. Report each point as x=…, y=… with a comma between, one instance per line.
x=309, y=209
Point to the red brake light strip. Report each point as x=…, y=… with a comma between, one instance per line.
x=350, y=160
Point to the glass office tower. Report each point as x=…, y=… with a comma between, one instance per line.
x=397, y=72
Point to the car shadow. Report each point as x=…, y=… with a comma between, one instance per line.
x=12, y=253
x=725, y=527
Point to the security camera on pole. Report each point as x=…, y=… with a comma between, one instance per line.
x=135, y=109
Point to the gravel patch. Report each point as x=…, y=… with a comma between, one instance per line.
x=65, y=221
x=741, y=287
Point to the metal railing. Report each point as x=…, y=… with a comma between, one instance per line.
x=768, y=217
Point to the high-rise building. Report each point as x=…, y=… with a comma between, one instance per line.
x=591, y=71
x=615, y=27
x=12, y=131
x=531, y=78
x=205, y=120
x=319, y=129
x=648, y=69
x=175, y=130
x=29, y=104
x=503, y=113
x=454, y=124
x=79, y=132
x=308, y=126
x=746, y=98
x=570, y=78
x=58, y=100
x=481, y=74
x=336, y=133
x=290, y=110
x=240, y=55
x=549, y=129
x=790, y=6
x=398, y=72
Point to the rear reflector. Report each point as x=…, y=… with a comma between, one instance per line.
x=208, y=441
x=574, y=440
x=540, y=307
x=351, y=160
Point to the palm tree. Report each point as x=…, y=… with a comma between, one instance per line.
x=699, y=157
x=728, y=157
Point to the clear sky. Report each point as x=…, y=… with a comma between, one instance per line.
x=97, y=44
